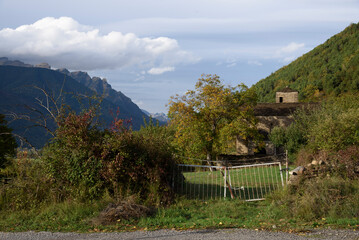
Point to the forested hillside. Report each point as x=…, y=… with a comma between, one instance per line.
x=330, y=69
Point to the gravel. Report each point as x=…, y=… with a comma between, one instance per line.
x=243, y=234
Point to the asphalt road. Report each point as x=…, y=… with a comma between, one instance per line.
x=243, y=234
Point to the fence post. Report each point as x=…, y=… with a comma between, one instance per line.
x=224, y=182
x=281, y=174
x=286, y=167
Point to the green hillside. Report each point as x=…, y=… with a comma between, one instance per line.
x=331, y=69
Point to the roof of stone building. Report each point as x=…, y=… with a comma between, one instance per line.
x=280, y=109
x=287, y=89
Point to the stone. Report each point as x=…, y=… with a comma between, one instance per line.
x=297, y=171
x=315, y=162
x=43, y=65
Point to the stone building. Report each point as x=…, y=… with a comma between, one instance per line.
x=286, y=95
x=271, y=115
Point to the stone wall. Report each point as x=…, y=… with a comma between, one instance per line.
x=271, y=115
x=286, y=97
x=267, y=123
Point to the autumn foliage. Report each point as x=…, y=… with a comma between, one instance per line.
x=208, y=119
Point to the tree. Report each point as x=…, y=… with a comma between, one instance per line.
x=7, y=141
x=203, y=115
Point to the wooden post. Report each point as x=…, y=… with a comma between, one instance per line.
x=226, y=183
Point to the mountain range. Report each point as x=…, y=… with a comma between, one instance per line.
x=23, y=97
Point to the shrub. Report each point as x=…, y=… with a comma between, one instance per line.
x=7, y=142
x=84, y=161
x=332, y=126
x=139, y=163
x=335, y=132
x=28, y=185
x=74, y=158
x=318, y=198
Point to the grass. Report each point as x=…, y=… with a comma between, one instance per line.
x=319, y=203
x=246, y=183
x=68, y=216
x=185, y=214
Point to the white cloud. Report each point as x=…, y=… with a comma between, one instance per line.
x=292, y=47
x=231, y=65
x=157, y=71
x=138, y=102
x=140, y=78
x=63, y=42
x=253, y=62
x=290, y=52
x=288, y=59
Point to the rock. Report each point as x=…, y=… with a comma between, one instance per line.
x=295, y=175
x=297, y=171
x=315, y=162
x=43, y=65
x=64, y=71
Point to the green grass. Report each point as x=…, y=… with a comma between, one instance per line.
x=184, y=214
x=246, y=183
x=68, y=216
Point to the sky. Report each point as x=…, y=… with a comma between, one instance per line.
x=151, y=50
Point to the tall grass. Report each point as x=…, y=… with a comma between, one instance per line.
x=328, y=198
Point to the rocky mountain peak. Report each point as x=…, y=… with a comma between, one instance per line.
x=43, y=65
x=4, y=61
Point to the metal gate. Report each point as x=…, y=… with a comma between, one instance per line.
x=247, y=182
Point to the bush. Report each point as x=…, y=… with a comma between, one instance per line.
x=139, y=163
x=28, y=185
x=335, y=132
x=7, y=142
x=73, y=159
x=318, y=198
x=84, y=162
x=333, y=126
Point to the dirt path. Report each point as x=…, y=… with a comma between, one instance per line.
x=243, y=234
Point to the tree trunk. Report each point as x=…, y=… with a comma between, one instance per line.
x=209, y=159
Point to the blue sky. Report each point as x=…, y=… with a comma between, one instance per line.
x=153, y=49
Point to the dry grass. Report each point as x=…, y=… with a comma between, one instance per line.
x=125, y=210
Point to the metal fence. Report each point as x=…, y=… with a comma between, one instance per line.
x=248, y=182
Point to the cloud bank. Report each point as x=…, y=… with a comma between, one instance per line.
x=63, y=42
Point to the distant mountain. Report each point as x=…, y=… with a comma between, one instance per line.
x=161, y=117
x=4, y=61
x=102, y=88
x=20, y=96
x=328, y=70
x=146, y=112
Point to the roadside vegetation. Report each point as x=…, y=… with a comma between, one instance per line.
x=85, y=170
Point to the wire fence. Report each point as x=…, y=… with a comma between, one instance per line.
x=248, y=182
